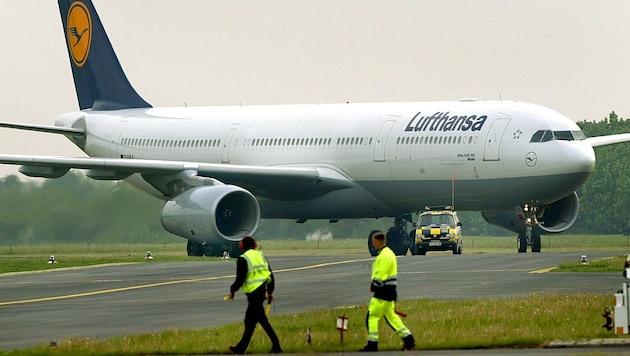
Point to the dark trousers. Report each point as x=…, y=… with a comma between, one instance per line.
x=256, y=314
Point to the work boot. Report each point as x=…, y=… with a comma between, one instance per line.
x=409, y=343
x=276, y=350
x=236, y=350
x=371, y=346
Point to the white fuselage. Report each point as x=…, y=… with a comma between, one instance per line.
x=402, y=156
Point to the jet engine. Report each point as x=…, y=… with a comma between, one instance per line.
x=212, y=216
x=552, y=218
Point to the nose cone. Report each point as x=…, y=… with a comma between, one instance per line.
x=578, y=161
x=579, y=157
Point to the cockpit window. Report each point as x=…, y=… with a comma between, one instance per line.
x=563, y=135
x=579, y=135
x=548, y=135
x=537, y=136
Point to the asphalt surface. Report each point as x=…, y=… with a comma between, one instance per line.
x=115, y=300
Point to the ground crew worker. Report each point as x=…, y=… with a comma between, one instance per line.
x=383, y=303
x=255, y=278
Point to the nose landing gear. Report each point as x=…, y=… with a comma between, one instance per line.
x=529, y=238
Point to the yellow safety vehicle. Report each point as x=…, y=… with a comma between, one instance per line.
x=438, y=229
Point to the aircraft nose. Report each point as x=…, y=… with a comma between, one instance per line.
x=579, y=158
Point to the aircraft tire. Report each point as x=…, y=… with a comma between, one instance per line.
x=397, y=244
x=535, y=243
x=521, y=243
x=371, y=248
x=194, y=248
x=210, y=250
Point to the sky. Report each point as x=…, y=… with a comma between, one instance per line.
x=571, y=56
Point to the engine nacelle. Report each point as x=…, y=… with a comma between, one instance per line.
x=212, y=214
x=553, y=218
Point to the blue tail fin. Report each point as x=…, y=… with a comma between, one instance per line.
x=99, y=79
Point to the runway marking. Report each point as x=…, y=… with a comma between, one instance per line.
x=468, y=271
x=122, y=289
x=321, y=265
x=161, y=284
x=544, y=270
x=9, y=274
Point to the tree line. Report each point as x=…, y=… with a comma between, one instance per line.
x=76, y=209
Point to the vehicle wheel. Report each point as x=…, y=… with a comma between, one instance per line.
x=521, y=243
x=412, y=243
x=535, y=243
x=369, y=243
x=457, y=250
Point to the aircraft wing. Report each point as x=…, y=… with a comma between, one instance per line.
x=268, y=181
x=608, y=140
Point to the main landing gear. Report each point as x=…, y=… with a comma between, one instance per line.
x=398, y=239
x=213, y=250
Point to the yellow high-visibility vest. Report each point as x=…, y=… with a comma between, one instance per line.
x=385, y=268
x=257, y=270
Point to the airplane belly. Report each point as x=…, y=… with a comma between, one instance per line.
x=475, y=194
x=342, y=204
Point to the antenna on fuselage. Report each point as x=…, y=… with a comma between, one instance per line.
x=453, y=191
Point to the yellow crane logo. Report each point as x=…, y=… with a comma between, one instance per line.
x=79, y=32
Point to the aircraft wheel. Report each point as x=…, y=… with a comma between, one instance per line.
x=535, y=243
x=209, y=250
x=521, y=243
x=369, y=243
x=396, y=241
x=194, y=249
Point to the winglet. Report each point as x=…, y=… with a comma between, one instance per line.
x=99, y=80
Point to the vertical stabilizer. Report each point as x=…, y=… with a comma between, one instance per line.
x=99, y=79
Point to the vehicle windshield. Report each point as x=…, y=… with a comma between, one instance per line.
x=443, y=219
x=548, y=135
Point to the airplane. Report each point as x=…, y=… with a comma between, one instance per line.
x=220, y=170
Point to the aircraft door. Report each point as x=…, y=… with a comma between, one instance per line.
x=115, y=152
x=493, y=141
x=226, y=145
x=381, y=140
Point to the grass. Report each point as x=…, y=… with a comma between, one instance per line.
x=524, y=322
x=34, y=258
x=612, y=264
x=531, y=321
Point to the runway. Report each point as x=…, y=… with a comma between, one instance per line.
x=115, y=300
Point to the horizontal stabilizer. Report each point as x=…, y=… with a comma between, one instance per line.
x=44, y=128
